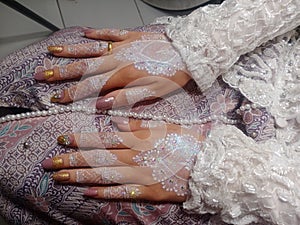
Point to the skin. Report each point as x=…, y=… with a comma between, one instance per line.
x=134, y=138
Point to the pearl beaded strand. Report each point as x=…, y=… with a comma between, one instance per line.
x=145, y=116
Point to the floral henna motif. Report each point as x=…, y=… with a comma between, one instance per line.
x=99, y=140
x=181, y=149
x=156, y=57
x=122, y=192
x=93, y=65
x=90, y=86
x=138, y=94
x=94, y=158
x=115, y=32
x=151, y=123
x=87, y=48
x=73, y=70
x=98, y=176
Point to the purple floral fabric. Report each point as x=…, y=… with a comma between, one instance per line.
x=29, y=195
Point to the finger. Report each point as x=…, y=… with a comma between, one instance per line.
x=134, y=192
x=130, y=124
x=91, y=158
x=125, y=97
x=139, y=87
x=98, y=84
x=90, y=49
x=108, y=34
x=77, y=69
x=93, y=140
x=89, y=87
x=106, y=175
x=109, y=140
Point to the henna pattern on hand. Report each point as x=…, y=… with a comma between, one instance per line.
x=98, y=176
x=156, y=57
x=138, y=94
x=122, y=192
x=170, y=158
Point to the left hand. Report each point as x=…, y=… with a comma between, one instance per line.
x=135, y=163
x=137, y=66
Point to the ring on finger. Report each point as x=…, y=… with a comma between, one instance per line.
x=109, y=47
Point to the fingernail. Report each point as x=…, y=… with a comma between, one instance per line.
x=88, y=31
x=45, y=75
x=120, y=120
x=64, y=140
x=47, y=164
x=64, y=176
x=57, y=97
x=105, y=103
x=90, y=192
x=55, y=49
x=57, y=162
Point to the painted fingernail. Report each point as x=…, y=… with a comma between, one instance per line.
x=57, y=162
x=63, y=176
x=90, y=192
x=64, y=140
x=53, y=163
x=55, y=49
x=57, y=97
x=45, y=75
x=88, y=31
x=105, y=103
x=120, y=120
x=47, y=164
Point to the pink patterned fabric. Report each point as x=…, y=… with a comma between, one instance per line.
x=28, y=193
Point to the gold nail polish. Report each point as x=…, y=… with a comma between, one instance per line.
x=48, y=74
x=64, y=176
x=55, y=49
x=64, y=140
x=55, y=98
x=57, y=162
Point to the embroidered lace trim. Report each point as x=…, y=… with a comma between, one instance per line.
x=212, y=38
x=244, y=181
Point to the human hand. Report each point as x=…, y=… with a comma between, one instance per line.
x=136, y=66
x=134, y=163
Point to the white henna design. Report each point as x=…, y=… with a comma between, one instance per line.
x=138, y=94
x=122, y=192
x=156, y=57
x=181, y=149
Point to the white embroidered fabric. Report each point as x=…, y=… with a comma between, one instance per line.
x=246, y=182
x=212, y=38
x=237, y=178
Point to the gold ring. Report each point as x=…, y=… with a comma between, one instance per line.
x=109, y=47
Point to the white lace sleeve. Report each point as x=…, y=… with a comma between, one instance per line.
x=246, y=182
x=211, y=39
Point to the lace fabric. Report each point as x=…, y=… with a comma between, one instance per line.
x=244, y=181
x=212, y=38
